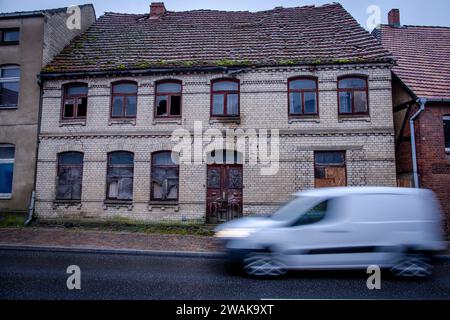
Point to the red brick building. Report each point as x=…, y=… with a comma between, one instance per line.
x=421, y=99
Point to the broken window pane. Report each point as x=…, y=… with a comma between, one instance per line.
x=165, y=175
x=82, y=108
x=168, y=99
x=120, y=175
x=70, y=175
x=69, y=108
x=75, y=101
x=175, y=105
x=161, y=105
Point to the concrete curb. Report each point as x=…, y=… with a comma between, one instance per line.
x=92, y=250
x=160, y=253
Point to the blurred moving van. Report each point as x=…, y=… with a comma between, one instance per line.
x=341, y=228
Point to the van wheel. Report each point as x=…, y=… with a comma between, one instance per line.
x=413, y=265
x=263, y=265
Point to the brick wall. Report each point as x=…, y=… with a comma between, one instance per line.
x=433, y=161
x=368, y=141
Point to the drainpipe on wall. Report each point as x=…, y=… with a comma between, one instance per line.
x=422, y=102
x=33, y=193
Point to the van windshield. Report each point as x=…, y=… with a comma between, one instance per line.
x=296, y=208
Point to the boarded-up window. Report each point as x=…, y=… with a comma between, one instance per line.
x=329, y=169
x=165, y=177
x=70, y=176
x=120, y=176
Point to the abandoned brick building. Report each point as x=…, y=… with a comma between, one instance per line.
x=112, y=99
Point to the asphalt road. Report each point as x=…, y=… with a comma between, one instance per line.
x=42, y=275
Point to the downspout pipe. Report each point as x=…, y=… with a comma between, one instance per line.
x=422, y=102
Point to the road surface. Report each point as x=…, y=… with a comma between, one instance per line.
x=42, y=275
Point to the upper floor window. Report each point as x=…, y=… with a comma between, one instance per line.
x=120, y=172
x=353, y=96
x=10, y=36
x=165, y=177
x=70, y=176
x=7, y=153
x=168, y=98
x=74, y=101
x=124, y=100
x=303, y=97
x=447, y=133
x=9, y=86
x=225, y=98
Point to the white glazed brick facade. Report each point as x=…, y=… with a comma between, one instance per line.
x=368, y=141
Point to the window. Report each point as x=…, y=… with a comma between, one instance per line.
x=165, y=177
x=353, y=96
x=225, y=98
x=124, y=100
x=329, y=169
x=75, y=101
x=9, y=86
x=168, y=99
x=447, y=132
x=313, y=215
x=10, y=36
x=6, y=170
x=120, y=176
x=302, y=97
x=70, y=176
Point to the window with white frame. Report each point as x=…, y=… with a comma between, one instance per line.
x=9, y=86
x=7, y=152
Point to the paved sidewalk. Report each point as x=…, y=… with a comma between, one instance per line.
x=58, y=237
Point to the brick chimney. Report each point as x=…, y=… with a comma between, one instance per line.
x=157, y=10
x=394, y=18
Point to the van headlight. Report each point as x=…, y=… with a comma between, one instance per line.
x=234, y=233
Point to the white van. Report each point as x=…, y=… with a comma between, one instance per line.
x=341, y=228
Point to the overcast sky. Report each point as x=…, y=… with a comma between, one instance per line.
x=413, y=12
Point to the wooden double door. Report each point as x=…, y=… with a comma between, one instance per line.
x=224, y=192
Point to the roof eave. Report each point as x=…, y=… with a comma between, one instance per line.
x=230, y=69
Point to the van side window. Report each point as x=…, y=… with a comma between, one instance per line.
x=313, y=215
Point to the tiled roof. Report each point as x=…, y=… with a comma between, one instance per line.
x=325, y=34
x=423, y=58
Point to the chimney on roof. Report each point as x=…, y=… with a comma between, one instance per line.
x=394, y=18
x=157, y=10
